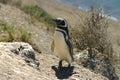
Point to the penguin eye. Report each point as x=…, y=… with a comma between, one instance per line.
x=62, y=23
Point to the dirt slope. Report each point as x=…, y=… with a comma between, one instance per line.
x=12, y=67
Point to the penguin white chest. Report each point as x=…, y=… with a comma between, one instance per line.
x=61, y=48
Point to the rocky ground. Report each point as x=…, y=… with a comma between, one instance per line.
x=13, y=67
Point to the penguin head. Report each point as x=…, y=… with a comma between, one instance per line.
x=61, y=22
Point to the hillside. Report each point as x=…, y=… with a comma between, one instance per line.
x=13, y=67
x=75, y=17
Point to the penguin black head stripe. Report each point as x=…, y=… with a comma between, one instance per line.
x=62, y=42
x=61, y=24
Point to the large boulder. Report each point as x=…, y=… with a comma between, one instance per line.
x=97, y=62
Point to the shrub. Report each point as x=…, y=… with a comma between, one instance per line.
x=9, y=29
x=10, y=33
x=25, y=36
x=93, y=33
x=39, y=14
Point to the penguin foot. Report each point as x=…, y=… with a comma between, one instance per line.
x=69, y=65
x=60, y=64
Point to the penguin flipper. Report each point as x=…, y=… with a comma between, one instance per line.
x=52, y=46
x=70, y=47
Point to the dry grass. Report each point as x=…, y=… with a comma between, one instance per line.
x=17, y=3
x=5, y=1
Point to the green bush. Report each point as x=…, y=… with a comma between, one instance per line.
x=39, y=14
x=9, y=29
x=25, y=36
x=10, y=33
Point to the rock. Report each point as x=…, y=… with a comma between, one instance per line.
x=28, y=54
x=24, y=50
x=96, y=62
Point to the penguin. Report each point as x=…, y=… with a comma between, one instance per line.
x=62, y=44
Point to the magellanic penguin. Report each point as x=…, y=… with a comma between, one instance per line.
x=62, y=45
